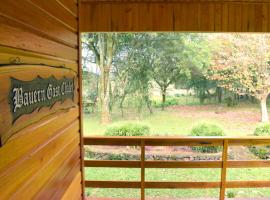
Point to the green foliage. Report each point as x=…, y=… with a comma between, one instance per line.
x=206, y=129
x=230, y=101
x=231, y=194
x=261, y=152
x=128, y=129
x=262, y=129
x=167, y=103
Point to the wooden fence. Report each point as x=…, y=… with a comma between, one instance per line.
x=223, y=164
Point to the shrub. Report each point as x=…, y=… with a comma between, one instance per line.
x=262, y=152
x=231, y=194
x=169, y=102
x=262, y=129
x=206, y=129
x=128, y=129
x=230, y=100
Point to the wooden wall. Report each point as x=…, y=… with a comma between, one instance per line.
x=176, y=15
x=40, y=151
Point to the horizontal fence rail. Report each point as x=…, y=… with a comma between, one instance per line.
x=223, y=164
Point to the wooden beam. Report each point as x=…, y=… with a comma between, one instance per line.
x=224, y=170
x=177, y=1
x=247, y=184
x=113, y=184
x=181, y=185
x=176, y=141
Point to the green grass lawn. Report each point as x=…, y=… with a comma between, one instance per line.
x=179, y=120
x=237, y=121
x=176, y=175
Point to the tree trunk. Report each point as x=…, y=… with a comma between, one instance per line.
x=121, y=104
x=219, y=94
x=265, y=117
x=148, y=103
x=163, y=98
x=106, y=53
x=105, y=99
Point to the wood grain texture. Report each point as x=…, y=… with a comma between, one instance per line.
x=57, y=11
x=175, y=15
x=41, y=157
x=10, y=56
x=15, y=36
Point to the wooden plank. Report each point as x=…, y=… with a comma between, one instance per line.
x=58, y=12
x=30, y=137
x=176, y=185
x=65, y=174
x=227, y=16
x=93, y=12
x=111, y=141
x=245, y=141
x=251, y=18
x=177, y=141
x=69, y=5
x=248, y=184
x=248, y=164
x=245, y=21
x=259, y=17
x=112, y=163
x=218, y=17
x=162, y=18
x=142, y=170
x=29, y=15
x=36, y=182
x=181, y=185
x=74, y=190
x=264, y=18
x=186, y=16
x=124, y=17
x=16, y=56
x=21, y=173
x=182, y=164
x=177, y=164
x=177, y=1
x=145, y=17
x=14, y=36
x=80, y=90
x=224, y=170
x=112, y=184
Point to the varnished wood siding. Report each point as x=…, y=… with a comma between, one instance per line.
x=176, y=15
x=40, y=152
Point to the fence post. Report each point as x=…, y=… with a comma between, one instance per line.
x=224, y=170
x=142, y=169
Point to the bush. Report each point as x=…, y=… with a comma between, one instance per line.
x=231, y=194
x=262, y=152
x=205, y=129
x=169, y=102
x=262, y=129
x=129, y=129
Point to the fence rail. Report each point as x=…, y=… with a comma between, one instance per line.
x=223, y=164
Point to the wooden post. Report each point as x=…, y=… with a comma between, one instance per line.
x=224, y=170
x=142, y=169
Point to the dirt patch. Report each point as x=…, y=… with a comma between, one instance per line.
x=182, y=153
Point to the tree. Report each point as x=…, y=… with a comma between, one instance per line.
x=103, y=47
x=164, y=61
x=195, y=58
x=242, y=66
